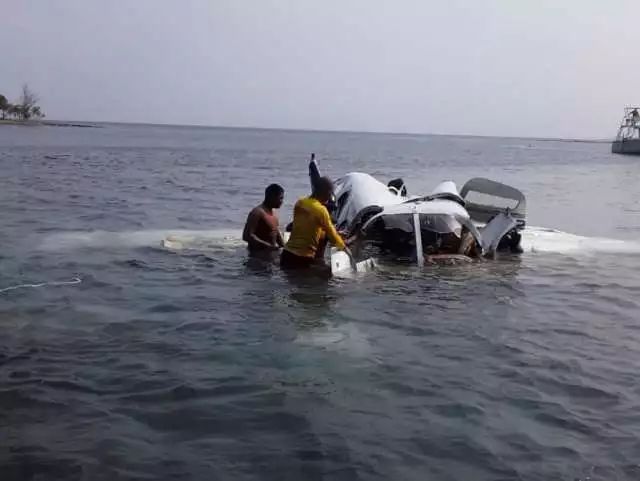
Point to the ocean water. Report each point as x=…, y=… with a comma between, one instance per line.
x=120, y=359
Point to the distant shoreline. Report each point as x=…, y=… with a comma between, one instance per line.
x=87, y=124
x=26, y=123
x=50, y=123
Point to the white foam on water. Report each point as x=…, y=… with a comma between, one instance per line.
x=539, y=239
x=75, y=280
x=346, y=338
x=173, y=239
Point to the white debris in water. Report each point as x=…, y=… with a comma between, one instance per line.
x=169, y=238
x=538, y=239
x=75, y=280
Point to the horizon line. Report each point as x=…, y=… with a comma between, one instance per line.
x=332, y=131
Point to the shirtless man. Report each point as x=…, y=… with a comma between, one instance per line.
x=261, y=231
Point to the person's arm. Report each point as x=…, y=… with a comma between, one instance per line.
x=348, y=239
x=329, y=228
x=279, y=239
x=249, y=233
x=351, y=239
x=467, y=244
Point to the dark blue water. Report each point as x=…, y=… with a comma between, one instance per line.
x=120, y=359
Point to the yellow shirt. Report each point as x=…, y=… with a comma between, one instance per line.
x=311, y=222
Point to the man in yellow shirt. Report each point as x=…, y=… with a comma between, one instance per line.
x=312, y=227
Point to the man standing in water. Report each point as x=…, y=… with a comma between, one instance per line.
x=312, y=227
x=262, y=231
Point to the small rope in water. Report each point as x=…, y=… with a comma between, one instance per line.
x=75, y=280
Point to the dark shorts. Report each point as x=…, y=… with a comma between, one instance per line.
x=289, y=260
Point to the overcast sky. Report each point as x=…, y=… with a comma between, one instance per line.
x=487, y=67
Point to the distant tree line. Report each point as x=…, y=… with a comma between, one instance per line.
x=26, y=108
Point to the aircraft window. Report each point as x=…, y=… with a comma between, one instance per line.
x=489, y=200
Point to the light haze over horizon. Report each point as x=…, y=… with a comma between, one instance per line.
x=484, y=67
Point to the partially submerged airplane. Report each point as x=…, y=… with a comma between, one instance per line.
x=481, y=219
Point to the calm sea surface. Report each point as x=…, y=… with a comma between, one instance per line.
x=122, y=360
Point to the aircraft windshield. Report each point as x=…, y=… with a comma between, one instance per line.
x=394, y=234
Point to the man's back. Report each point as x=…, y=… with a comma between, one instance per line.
x=311, y=221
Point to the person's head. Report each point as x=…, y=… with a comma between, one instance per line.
x=274, y=196
x=323, y=190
